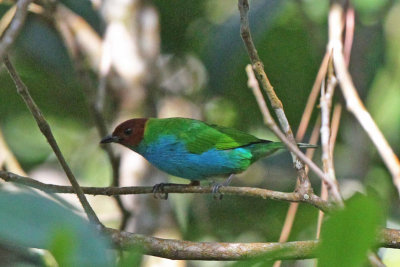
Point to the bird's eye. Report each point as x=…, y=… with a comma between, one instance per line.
x=128, y=131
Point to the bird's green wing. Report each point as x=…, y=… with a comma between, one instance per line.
x=198, y=136
x=221, y=138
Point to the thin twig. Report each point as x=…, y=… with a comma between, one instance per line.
x=253, y=84
x=353, y=101
x=276, y=104
x=45, y=129
x=10, y=35
x=327, y=91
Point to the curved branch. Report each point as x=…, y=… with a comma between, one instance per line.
x=311, y=199
x=10, y=35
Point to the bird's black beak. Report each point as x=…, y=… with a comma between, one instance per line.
x=110, y=139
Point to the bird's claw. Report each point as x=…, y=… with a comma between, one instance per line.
x=215, y=191
x=158, y=191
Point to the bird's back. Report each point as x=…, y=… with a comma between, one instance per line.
x=198, y=136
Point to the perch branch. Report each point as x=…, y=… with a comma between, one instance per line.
x=10, y=35
x=45, y=129
x=228, y=190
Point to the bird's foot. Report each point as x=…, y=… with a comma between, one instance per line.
x=158, y=191
x=215, y=190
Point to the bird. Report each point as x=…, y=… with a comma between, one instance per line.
x=193, y=149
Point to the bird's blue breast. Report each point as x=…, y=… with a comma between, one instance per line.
x=170, y=155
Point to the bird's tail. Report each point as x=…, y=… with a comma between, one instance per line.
x=305, y=145
x=265, y=149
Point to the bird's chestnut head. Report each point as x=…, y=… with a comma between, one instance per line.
x=129, y=133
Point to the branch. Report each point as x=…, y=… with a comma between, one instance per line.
x=45, y=129
x=183, y=189
x=353, y=101
x=14, y=28
x=187, y=250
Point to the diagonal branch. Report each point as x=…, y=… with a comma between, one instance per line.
x=292, y=147
x=298, y=157
x=10, y=35
x=45, y=129
x=353, y=101
x=243, y=5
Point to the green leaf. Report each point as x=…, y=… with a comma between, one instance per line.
x=348, y=234
x=31, y=220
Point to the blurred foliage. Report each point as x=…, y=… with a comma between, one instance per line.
x=202, y=43
x=45, y=224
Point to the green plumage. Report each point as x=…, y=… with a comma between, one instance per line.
x=199, y=136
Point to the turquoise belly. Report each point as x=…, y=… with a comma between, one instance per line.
x=171, y=156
